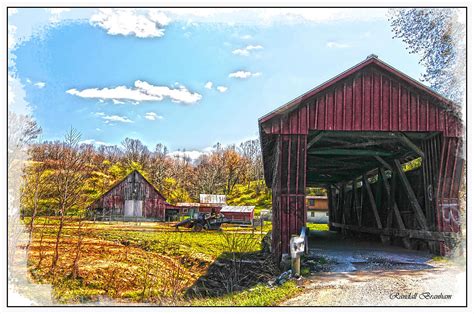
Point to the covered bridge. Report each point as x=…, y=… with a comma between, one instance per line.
x=132, y=197
x=352, y=135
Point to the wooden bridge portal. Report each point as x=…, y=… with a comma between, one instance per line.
x=354, y=135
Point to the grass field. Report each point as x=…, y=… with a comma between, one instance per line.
x=318, y=227
x=131, y=262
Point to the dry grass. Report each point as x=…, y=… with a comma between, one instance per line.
x=127, y=262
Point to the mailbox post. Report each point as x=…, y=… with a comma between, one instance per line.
x=297, y=248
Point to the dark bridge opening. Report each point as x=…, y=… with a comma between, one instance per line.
x=387, y=149
x=376, y=183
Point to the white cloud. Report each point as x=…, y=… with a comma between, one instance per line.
x=116, y=118
x=246, y=51
x=120, y=92
x=153, y=116
x=221, y=89
x=246, y=37
x=94, y=142
x=159, y=17
x=244, y=74
x=266, y=16
x=40, y=84
x=208, y=85
x=333, y=44
x=56, y=14
x=142, y=91
x=182, y=94
x=131, y=22
x=117, y=102
x=191, y=154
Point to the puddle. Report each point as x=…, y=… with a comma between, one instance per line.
x=344, y=263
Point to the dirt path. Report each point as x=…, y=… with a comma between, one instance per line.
x=349, y=272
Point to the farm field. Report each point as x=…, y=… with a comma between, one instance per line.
x=152, y=262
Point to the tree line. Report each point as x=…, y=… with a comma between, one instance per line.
x=63, y=176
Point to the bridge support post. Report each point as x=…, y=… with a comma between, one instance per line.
x=289, y=191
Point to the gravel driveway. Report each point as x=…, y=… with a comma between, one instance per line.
x=351, y=272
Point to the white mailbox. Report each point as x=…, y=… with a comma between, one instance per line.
x=296, y=246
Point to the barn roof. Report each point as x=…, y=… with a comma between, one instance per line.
x=371, y=60
x=125, y=178
x=371, y=99
x=237, y=209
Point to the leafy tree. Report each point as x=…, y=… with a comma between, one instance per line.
x=440, y=39
x=173, y=192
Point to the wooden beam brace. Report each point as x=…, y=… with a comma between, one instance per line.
x=321, y=162
x=383, y=163
x=372, y=202
x=420, y=217
x=394, y=206
x=368, y=143
x=415, y=234
x=315, y=139
x=410, y=144
x=349, y=152
x=360, y=134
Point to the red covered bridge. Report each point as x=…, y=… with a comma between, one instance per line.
x=352, y=135
x=132, y=197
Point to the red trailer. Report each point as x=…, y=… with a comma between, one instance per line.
x=240, y=214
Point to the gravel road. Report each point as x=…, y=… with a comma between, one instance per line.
x=351, y=272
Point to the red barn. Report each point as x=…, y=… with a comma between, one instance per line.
x=238, y=213
x=135, y=197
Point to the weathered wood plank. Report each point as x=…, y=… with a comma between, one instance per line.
x=393, y=204
x=420, y=217
x=410, y=144
x=372, y=202
x=383, y=162
x=414, y=234
x=350, y=152
x=315, y=139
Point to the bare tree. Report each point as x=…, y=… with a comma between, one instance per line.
x=34, y=188
x=160, y=166
x=135, y=151
x=68, y=178
x=81, y=231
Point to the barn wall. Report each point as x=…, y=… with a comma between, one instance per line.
x=133, y=187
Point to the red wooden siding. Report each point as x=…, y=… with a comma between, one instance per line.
x=368, y=101
x=154, y=204
x=371, y=96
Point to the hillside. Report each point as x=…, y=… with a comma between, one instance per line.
x=253, y=194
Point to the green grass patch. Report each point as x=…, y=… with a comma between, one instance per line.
x=318, y=227
x=260, y=295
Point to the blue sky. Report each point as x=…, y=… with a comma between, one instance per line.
x=185, y=78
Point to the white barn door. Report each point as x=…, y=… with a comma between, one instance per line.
x=133, y=208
